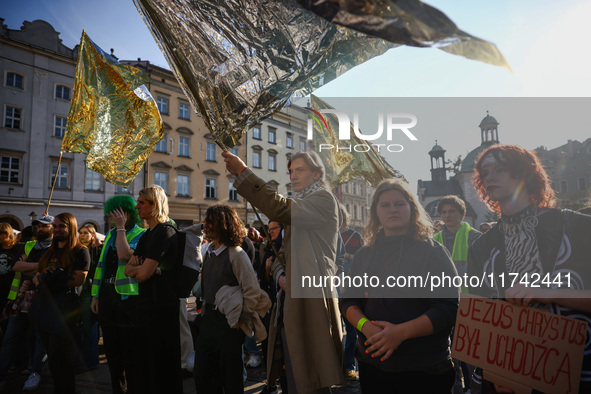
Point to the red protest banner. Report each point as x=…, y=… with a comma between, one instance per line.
x=520, y=347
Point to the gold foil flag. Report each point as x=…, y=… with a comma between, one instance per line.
x=113, y=117
x=344, y=164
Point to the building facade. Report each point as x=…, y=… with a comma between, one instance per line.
x=569, y=168
x=187, y=163
x=37, y=73
x=355, y=196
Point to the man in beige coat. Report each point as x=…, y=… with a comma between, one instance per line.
x=311, y=327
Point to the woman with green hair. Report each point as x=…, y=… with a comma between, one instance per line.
x=114, y=293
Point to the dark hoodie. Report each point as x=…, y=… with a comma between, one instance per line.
x=402, y=256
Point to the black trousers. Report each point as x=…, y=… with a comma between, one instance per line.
x=372, y=380
x=218, y=356
x=158, y=352
x=61, y=348
x=119, y=326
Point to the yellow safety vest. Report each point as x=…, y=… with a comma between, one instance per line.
x=124, y=285
x=16, y=281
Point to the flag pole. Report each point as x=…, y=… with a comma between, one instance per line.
x=59, y=161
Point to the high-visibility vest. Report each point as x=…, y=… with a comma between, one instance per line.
x=459, y=253
x=124, y=285
x=16, y=281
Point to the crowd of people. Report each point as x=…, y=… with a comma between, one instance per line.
x=63, y=288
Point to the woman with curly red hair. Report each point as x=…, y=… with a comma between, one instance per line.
x=532, y=240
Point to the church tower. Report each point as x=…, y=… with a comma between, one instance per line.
x=438, y=171
x=489, y=130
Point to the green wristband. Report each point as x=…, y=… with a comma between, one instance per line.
x=361, y=322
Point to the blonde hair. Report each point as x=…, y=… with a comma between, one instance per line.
x=157, y=196
x=5, y=227
x=90, y=228
x=421, y=226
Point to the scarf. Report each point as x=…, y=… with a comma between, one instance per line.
x=318, y=185
x=521, y=246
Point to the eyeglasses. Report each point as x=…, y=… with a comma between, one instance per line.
x=274, y=228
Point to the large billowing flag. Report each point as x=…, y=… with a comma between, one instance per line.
x=238, y=62
x=113, y=117
x=344, y=164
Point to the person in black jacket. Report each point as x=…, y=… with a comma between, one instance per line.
x=403, y=334
x=152, y=265
x=532, y=239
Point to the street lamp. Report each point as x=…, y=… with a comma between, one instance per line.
x=32, y=216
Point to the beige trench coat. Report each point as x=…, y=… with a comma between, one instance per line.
x=312, y=325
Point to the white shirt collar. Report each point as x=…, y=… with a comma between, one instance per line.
x=217, y=251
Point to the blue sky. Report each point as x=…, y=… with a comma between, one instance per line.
x=546, y=43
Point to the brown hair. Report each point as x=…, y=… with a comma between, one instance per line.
x=91, y=230
x=72, y=245
x=420, y=224
x=7, y=228
x=313, y=161
x=452, y=200
x=227, y=226
x=523, y=165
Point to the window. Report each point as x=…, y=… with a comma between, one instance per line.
x=14, y=80
x=62, y=92
x=256, y=159
x=272, y=163
x=361, y=189
x=256, y=132
x=210, y=188
x=232, y=192
x=354, y=212
x=12, y=118
x=182, y=186
x=563, y=187
x=62, y=175
x=184, y=111
x=347, y=191
x=93, y=180
x=582, y=184
x=10, y=169
x=123, y=190
x=161, y=147
x=162, y=105
x=160, y=179
x=184, y=146
x=302, y=143
x=210, y=152
x=59, y=128
x=289, y=140
x=272, y=135
x=234, y=151
x=354, y=188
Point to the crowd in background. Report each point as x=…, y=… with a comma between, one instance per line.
x=61, y=286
